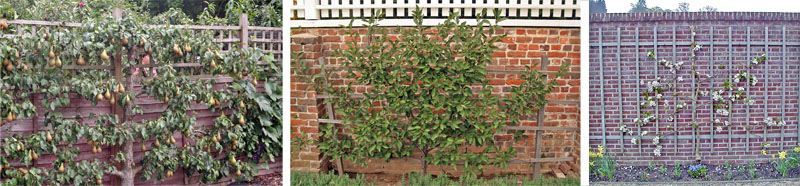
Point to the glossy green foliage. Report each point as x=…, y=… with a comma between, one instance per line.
x=429, y=95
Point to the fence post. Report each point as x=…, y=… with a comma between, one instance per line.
x=243, y=34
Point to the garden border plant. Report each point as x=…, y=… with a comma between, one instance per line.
x=74, y=61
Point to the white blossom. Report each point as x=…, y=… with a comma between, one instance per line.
x=657, y=151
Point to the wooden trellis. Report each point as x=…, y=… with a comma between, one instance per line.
x=739, y=46
x=537, y=160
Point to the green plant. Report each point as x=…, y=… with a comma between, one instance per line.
x=783, y=163
x=698, y=171
x=600, y=164
x=645, y=177
x=742, y=170
x=650, y=166
x=677, y=171
x=314, y=179
x=418, y=179
x=729, y=176
x=727, y=165
x=663, y=170
x=434, y=97
x=245, y=133
x=751, y=168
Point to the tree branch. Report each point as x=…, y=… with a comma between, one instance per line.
x=115, y=173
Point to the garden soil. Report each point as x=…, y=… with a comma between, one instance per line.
x=665, y=173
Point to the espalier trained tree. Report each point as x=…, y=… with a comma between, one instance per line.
x=429, y=96
x=246, y=133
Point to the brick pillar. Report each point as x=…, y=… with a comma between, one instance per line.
x=304, y=104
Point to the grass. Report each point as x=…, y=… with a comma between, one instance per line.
x=313, y=179
x=305, y=178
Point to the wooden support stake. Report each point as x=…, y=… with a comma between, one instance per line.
x=539, y=122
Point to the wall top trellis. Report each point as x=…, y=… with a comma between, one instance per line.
x=693, y=16
x=333, y=13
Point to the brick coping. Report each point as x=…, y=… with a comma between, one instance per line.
x=695, y=16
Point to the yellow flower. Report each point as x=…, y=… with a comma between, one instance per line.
x=592, y=155
x=773, y=156
x=591, y=164
x=600, y=155
x=764, y=152
x=782, y=154
x=797, y=149
x=600, y=149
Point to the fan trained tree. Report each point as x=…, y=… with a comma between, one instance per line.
x=428, y=95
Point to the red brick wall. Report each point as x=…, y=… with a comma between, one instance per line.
x=763, y=26
x=521, y=48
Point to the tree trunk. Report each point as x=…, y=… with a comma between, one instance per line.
x=128, y=172
x=424, y=163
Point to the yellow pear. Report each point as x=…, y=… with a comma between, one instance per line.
x=187, y=48
x=51, y=54
x=108, y=94
x=81, y=61
x=61, y=168
x=177, y=50
x=104, y=55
